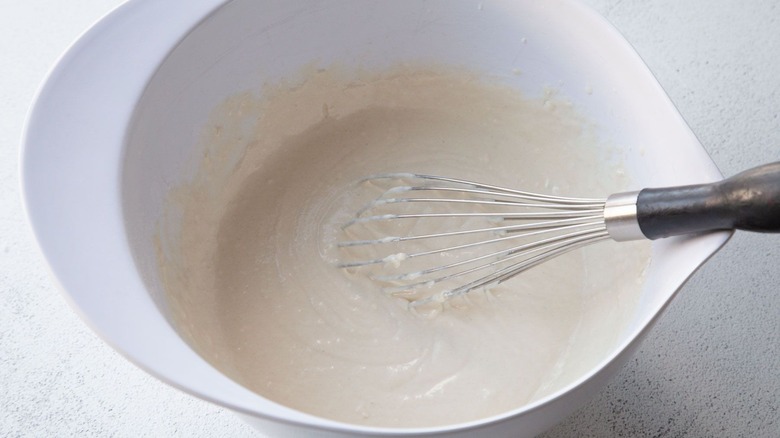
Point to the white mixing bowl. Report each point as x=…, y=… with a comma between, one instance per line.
x=115, y=125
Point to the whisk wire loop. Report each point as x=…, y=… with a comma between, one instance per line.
x=457, y=236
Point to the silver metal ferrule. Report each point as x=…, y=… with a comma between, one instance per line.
x=620, y=217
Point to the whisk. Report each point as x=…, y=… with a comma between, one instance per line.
x=432, y=238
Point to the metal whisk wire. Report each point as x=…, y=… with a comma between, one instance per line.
x=524, y=229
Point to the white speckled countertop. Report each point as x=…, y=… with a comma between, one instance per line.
x=710, y=368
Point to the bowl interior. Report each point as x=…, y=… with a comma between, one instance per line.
x=533, y=47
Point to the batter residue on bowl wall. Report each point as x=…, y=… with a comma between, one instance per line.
x=252, y=288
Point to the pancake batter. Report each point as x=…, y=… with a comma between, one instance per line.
x=252, y=285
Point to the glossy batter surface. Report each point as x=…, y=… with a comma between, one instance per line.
x=246, y=252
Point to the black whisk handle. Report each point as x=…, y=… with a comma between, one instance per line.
x=749, y=201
